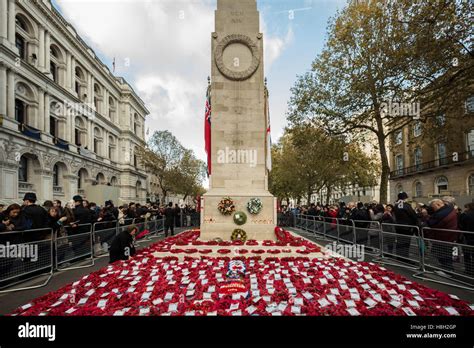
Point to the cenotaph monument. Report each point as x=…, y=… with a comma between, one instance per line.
x=239, y=124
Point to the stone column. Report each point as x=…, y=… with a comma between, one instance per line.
x=73, y=72
x=4, y=19
x=46, y=113
x=3, y=91
x=41, y=55
x=40, y=121
x=68, y=71
x=11, y=94
x=11, y=21
x=47, y=53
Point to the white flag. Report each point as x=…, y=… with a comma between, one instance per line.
x=269, y=136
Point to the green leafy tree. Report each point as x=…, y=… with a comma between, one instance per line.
x=377, y=51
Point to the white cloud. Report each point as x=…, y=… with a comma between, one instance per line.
x=168, y=46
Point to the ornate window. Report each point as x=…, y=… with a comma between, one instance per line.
x=441, y=184
x=23, y=170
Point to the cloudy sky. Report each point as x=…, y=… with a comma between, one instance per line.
x=162, y=47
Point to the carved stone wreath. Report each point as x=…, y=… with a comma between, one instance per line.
x=237, y=75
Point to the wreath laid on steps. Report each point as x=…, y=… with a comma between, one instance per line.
x=239, y=234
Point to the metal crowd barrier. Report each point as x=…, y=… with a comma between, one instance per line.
x=451, y=257
x=77, y=245
x=60, y=250
x=25, y=259
x=403, y=246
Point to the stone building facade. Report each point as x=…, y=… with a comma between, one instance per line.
x=439, y=165
x=66, y=122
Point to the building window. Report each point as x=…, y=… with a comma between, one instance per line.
x=53, y=126
x=441, y=185
x=20, y=111
x=441, y=153
x=470, y=142
x=418, y=158
x=20, y=44
x=470, y=184
x=418, y=189
x=399, y=163
x=96, y=146
x=398, y=137
x=23, y=170
x=55, y=175
x=470, y=104
x=441, y=120
x=417, y=129
x=77, y=87
x=53, y=71
x=399, y=188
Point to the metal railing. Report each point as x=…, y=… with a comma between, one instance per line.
x=63, y=250
x=405, y=246
x=26, y=257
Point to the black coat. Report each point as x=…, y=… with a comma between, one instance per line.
x=466, y=223
x=405, y=215
x=37, y=216
x=122, y=247
x=169, y=216
x=82, y=215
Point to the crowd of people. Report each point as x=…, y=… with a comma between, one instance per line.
x=38, y=224
x=445, y=224
x=79, y=211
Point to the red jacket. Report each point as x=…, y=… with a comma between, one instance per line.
x=448, y=222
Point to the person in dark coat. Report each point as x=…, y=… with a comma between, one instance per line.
x=37, y=218
x=83, y=215
x=122, y=247
x=442, y=223
x=405, y=215
x=466, y=223
x=169, y=214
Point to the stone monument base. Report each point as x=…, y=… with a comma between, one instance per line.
x=259, y=227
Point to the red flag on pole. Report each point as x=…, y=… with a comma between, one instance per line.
x=207, y=130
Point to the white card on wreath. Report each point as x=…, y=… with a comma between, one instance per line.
x=370, y=302
x=251, y=309
x=332, y=298
x=212, y=288
x=409, y=311
x=102, y=303
x=451, y=310
x=352, y=311
x=207, y=296
x=144, y=311
x=295, y=309
x=169, y=296
x=173, y=307
x=350, y=303
x=298, y=301
x=323, y=302
x=335, y=291
x=307, y=295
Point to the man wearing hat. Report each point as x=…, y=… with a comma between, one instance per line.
x=81, y=215
x=404, y=215
x=34, y=213
x=36, y=217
